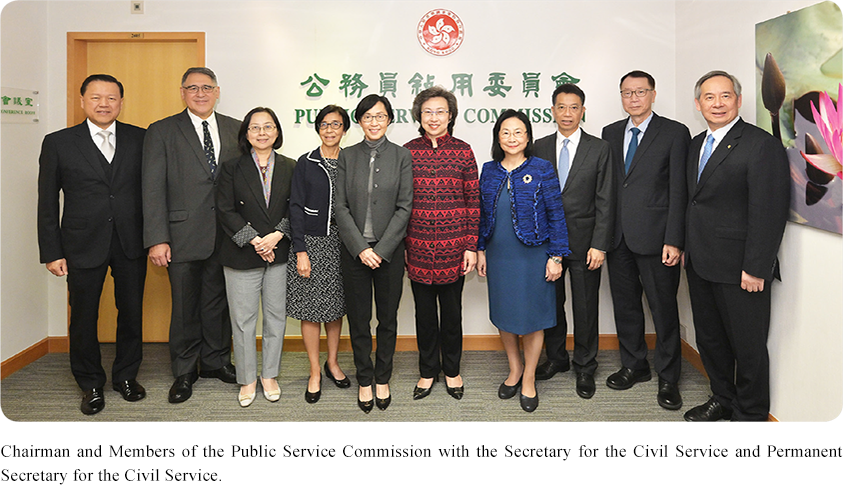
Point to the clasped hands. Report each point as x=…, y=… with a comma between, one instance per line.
x=265, y=246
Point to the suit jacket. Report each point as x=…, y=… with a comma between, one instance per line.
x=738, y=209
x=652, y=198
x=392, y=197
x=95, y=202
x=178, y=190
x=240, y=203
x=588, y=195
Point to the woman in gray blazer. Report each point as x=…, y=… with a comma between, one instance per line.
x=373, y=205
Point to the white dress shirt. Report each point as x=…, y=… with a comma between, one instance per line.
x=212, y=127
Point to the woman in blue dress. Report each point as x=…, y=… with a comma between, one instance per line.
x=522, y=240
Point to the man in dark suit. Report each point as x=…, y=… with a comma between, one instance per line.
x=649, y=154
x=181, y=158
x=739, y=196
x=585, y=175
x=97, y=165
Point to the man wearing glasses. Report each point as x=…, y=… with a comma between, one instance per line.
x=584, y=165
x=648, y=153
x=181, y=160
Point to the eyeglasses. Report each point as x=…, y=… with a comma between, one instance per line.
x=268, y=129
x=336, y=125
x=193, y=88
x=512, y=134
x=639, y=93
x=367, y=118
x=438, y=114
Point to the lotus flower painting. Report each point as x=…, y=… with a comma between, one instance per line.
x=799, y=66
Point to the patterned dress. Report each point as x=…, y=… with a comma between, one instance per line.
x=319, y=298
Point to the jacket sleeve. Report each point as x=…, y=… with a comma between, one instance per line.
x=156, y=223
x=471, y=195
x=674, y=234
x=604, y=201
x=49, y=185
x=297, y=200
x=396, y=229
x=555, y=214
x=231, y=221
x=349, y=233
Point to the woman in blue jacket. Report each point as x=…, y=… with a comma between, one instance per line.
x=522, y=240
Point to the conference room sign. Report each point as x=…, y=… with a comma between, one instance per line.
x=19, y=105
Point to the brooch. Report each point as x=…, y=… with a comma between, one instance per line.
x=527, y=179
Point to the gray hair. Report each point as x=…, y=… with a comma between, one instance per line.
x=199, y=70
x=735, y=83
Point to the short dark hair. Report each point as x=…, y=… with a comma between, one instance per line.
x=107, y=78
x=650, y=80
x=436, y=92
x=568, y=88
x=497, y=151
x=198, y=70
x=333, y=108
x=242, y=135
x=369, y=102
x=736, y=85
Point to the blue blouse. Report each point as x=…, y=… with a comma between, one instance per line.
x=537, y=213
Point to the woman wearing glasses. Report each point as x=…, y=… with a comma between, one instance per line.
x=314, y=278
x=374, y=200
x=441, y=237
x=252, y=197
x=523, y=238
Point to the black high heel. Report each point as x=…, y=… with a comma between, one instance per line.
x=423, y=392
x=382, y=403
x=455, y=392
x=342, y=383
x=366, y=406
x=312, y=397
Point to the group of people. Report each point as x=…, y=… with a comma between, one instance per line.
x=241, y=227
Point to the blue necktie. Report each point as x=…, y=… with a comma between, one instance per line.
x=630, y=151
x=709, y=144
x=209, y=149
x=563, y=164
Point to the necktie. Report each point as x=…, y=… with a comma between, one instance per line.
x=709, y=144
x=630, y=150
x=564, y=163
x=209, y=149
x=106, y=147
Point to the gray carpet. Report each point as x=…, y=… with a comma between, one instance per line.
x=212, y=400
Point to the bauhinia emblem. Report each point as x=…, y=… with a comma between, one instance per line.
x=440, y=32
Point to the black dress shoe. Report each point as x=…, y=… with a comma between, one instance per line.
x=668, y=396
x=549, y=369
x=182, y=388
x=342, y=383
x=366, y=406
x=626, y=378
x=130, y=390
x=226, y=373
x=710, y=411
x=456, y=392
x=508, y=392
x=382, y=403
x=313, y=397
x=529, y=404
x=585, y=385
x=93, y=401
x=423, y=392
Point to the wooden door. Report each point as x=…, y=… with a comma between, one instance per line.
x=150, y=66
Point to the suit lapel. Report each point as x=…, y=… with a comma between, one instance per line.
x=121, y=145
x=579, y=158
x=720, y=153
x=649, y=135
x=192, y=139
x=90, y=151
x=249, y=172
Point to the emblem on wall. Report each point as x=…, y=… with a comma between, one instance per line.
x=440, y=32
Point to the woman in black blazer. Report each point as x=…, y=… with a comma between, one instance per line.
x=252, y=207
x=373, y=205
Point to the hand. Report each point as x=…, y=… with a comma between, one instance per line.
x=481, y=263
x=594, y=259
x=160, y=255
x=303, y=264
x=370, y=258
x=751, y=283
x=469, y=262
x=552, y=270
x=58, y=267
x=671, y=255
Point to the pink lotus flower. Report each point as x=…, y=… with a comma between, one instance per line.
x=830, y=124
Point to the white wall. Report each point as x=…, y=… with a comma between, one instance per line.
x=263, y=50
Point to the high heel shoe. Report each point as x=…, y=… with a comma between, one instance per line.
x=508, y=392
x=423, y=392
x=312, y=397
x=366, y=406
x=341, y=383
x=382, y=403
x=455, y=392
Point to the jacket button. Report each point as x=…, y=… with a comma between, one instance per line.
x=625, y=185
x=242, y=203
x=693, y=202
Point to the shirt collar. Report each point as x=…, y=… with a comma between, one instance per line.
x=197, y=121
x=720, y=133
x=94, y=129
x=439, y=141
x=643, y=126
x=575, y=137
